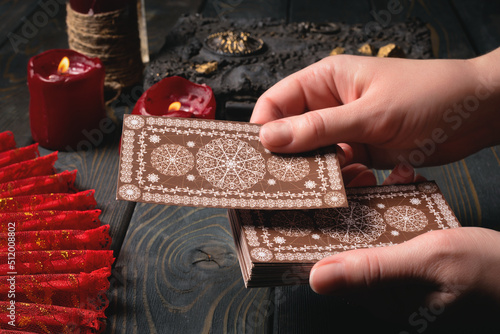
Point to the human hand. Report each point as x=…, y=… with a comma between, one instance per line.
x=427, y=279
x=385, y=111
x=439, y=273
x=446, y=277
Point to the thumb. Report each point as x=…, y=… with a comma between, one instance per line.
x=365, y=268
x=314, y=129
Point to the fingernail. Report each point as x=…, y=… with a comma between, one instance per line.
x=327, y=278
x=277, y=133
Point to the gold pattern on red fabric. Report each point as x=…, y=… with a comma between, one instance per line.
x=54, y=252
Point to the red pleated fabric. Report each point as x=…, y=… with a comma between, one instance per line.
x=29, y=168
x=49, y=220
x=63, y=182
x=7, y=141
x=56, y=262
x=18, y=154
x=54, y=253
x=40, y=318
x=97, y=238
x=83, y=200
x=82, y=290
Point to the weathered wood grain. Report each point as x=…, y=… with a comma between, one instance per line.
x=12, y=15
x=178, y=273
x=300, y=310
x=330, y=11
x=246, y=9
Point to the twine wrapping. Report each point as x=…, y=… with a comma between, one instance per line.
x=114, y=38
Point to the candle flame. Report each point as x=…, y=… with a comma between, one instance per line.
x=63, y=66
x=174, y=106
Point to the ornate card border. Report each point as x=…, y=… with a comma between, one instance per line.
x=191, y=162
x=376, y=217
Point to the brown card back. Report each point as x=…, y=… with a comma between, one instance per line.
x=211, y=163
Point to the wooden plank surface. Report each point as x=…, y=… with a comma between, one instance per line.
x=246, y=9
x=13, y=14
x=178, y=273
x=330, y=11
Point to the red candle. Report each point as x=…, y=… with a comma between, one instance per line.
x=67, y=98
x=177, y=97
x=98, y=6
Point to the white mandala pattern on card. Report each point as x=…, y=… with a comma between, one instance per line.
x=310, y=184
x=153, y=177
x=230, y=164
x=134, y=122
x=129, y=192
x=334, y=198
x=406, y=218
x=279, y=240
x=354, y=224
x=288, y=169
x=292, y=223
x=261, y=254
x=155, y=139
x=172, y=160
x=415, y=201
x=427, y=187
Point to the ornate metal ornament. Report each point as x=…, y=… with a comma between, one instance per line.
x=231, y=43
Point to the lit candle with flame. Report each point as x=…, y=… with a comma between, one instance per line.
x=174, y=106
x=66, y=98
x=63, y=66
x=177, y=97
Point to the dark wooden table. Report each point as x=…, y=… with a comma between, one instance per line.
x=176, y=269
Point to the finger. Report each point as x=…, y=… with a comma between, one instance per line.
x=309, y=89
x=358, y=175
x=420, y=178
x=347, y=153
x=401, y=174
x=364, y=268
x=316, y=129
x=364, y=179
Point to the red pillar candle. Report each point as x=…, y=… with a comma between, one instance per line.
x=98, y=6
x=177, y=97
x=66, y=103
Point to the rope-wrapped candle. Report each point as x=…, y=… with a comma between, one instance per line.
x=109, y=32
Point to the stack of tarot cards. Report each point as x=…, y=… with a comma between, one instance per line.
x=286, y=211
x=280, y=247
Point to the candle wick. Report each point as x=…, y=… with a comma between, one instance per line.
x=92, y=8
